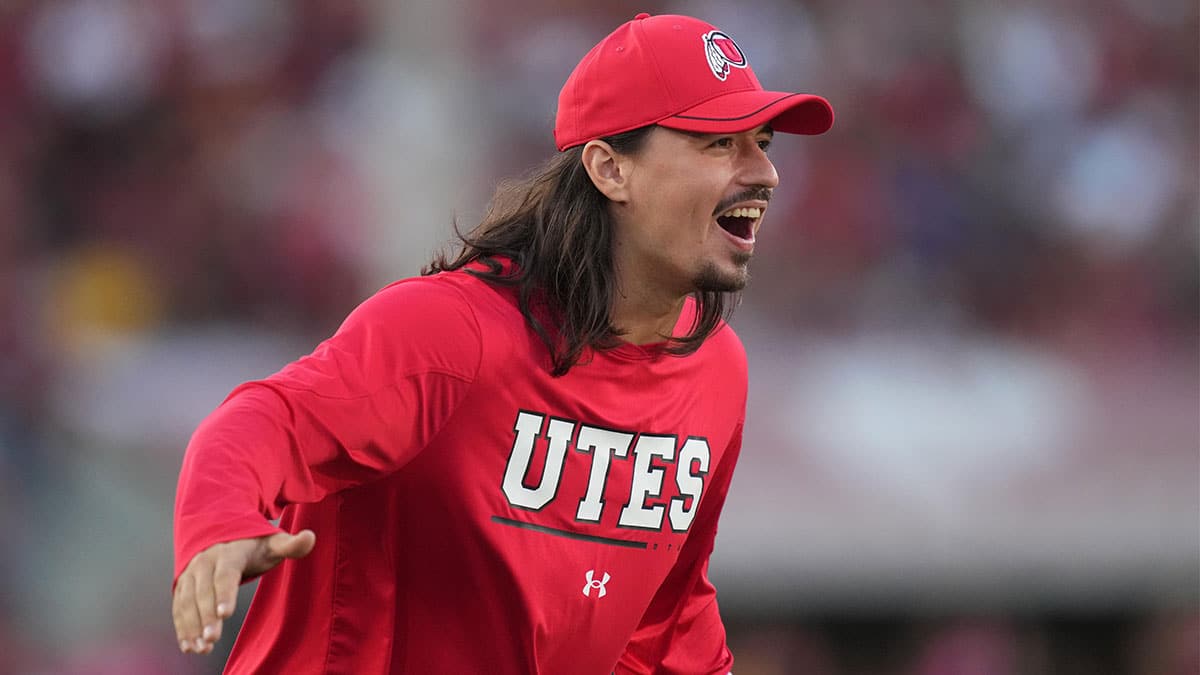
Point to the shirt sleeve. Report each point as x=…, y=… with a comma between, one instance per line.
x=681, y=631
x=361, y=405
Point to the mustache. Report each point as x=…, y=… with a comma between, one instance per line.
x=757, y=193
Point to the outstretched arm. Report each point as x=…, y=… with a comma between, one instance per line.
x=362, y=405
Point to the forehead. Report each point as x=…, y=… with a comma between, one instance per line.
x=754, y=131
x=665, y=141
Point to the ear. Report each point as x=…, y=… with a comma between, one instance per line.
x=607, y=169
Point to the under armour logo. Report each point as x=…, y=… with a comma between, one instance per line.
x=598, y=585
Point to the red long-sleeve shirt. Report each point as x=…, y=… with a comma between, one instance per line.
x=474, y=514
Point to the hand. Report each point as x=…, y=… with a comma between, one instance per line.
x=206, y=592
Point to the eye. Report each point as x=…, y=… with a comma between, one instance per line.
x=723, y=142
x=764, y=144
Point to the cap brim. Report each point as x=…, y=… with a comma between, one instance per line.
x=745, y=110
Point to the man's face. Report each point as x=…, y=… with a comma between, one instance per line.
x=695, y=204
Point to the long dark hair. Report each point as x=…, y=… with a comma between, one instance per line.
x=555, y=227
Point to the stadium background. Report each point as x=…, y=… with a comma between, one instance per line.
x=973, y=323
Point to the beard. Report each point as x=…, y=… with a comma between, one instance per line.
x=714, y=280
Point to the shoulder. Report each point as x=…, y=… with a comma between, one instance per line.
x=725, y=347
x=424, y=291
x=725, y=339
x=721, y=363
x=722, y=346
x=426, y=315
x=453, y=297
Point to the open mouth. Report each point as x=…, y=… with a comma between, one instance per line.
x=740, y=221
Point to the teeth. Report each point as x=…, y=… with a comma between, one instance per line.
x=745, y=212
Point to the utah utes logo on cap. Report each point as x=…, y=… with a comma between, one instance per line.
x=722, y=52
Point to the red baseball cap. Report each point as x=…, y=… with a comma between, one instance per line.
x=677, y=72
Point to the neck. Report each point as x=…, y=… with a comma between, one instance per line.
x=642, y=309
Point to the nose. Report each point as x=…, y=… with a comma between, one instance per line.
x=757, y=168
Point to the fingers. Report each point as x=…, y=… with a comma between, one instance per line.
x=206, y=606
x=206, y=592
x=186, y=613
x=226, y=580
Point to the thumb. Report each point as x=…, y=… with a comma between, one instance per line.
x=270, y=551
x=284, y=545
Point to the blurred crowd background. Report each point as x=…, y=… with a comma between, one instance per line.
x=974, y=438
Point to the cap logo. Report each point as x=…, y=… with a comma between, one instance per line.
x=722, y=53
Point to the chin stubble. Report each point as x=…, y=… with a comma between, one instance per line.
x=712, y=279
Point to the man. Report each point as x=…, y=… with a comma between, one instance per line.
x=515, y=463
